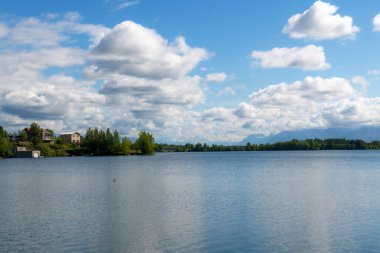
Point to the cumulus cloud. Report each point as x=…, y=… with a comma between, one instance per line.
x=216, y=77
x=310, y=89
x=146, y=79
x=376, y=23
x=33, y=46
x=31, y=104
x=310, y=57
x=50, y=31
x=133, y=50
x=134, y=79
x=320, y=22
x=314, y=102
x=56, y=98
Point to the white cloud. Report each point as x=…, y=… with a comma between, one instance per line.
x=96, y=32
x=43, y=58
x=376, y=23
x=217, y=114
x=360, y=80
x=133, y=50
x=320, y=22
x=33, y=31
x=135, y=79
x=29, y=98
x=217, y=124
x=153, y=93
x=226, y=91
x=19, y=67
x=33, y=46
x=310, y=57
x=146, y=80
x=50, y=31
x=310, y=89
x=216, y=77
x=314, y=102
x=131, y=100
x=126, y=5
x=56, y=98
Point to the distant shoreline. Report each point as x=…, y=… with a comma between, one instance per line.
x=192, y=152
x=293, y=145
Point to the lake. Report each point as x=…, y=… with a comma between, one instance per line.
x=317, y=201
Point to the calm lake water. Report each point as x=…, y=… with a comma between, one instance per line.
x=327, y=201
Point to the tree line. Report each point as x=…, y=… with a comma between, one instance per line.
x=309, y=144
x=96, y=142
x=99, y=142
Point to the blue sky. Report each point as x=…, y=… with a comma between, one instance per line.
x=212, y=71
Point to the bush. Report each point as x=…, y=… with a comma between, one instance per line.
x=45, y=149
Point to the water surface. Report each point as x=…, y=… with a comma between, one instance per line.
x=326, y=201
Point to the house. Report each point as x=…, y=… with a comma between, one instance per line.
x=71, y=137
x=46, y=135
x=24, y=152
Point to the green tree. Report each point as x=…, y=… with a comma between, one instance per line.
x=145, y=143
x=34, y=133
x=99, y=142
x=91, y=142
x=116, y=143
x=24, y=135
x=126, y=146
x=5, y=144
x=108, y=141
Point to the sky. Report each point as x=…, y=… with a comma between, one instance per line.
x=189, y=71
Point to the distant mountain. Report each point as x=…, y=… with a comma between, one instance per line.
x=362, y=133
x=365, y=134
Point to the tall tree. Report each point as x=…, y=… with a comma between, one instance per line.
x=145, y=143
x=34, y=133
x=108, y=142
x=116, y=142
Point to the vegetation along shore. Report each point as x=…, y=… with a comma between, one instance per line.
x=97, y=142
